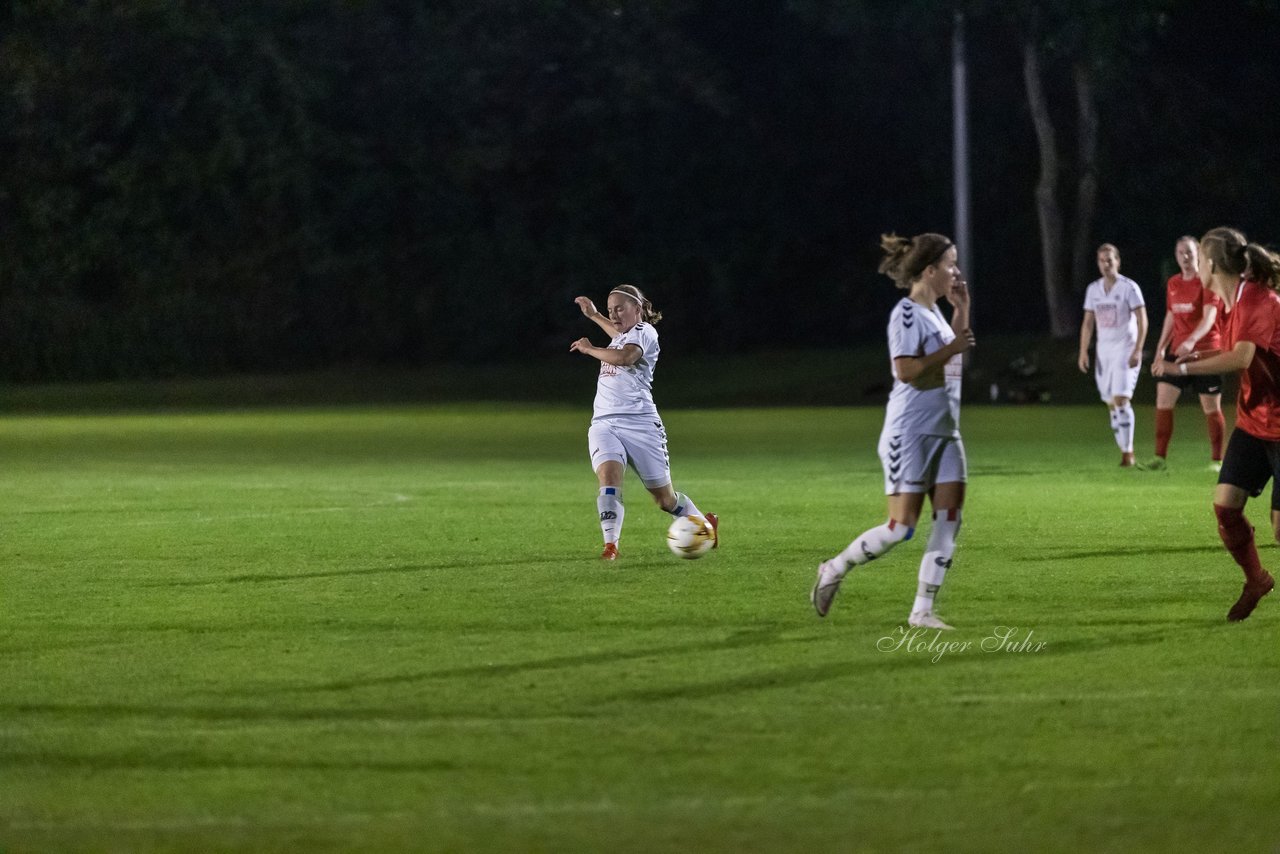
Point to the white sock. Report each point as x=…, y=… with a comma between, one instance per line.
x=685, y=506
x=609, y=503
x=1124, y=428
x=871, y=544
x=1115, y=423
x=937, y=558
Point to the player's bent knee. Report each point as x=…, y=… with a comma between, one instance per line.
x=610, y=476
x=664, y=496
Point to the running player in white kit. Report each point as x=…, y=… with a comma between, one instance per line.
x=626, y=428
x=1115, y=306
x=920, y=447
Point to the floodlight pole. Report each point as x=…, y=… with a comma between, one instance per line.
x=960, y=150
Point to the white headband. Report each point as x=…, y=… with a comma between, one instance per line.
x=639, y=301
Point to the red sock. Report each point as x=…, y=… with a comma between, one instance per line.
x=1237, y=536
x=1217, y=426
x=1164, y=430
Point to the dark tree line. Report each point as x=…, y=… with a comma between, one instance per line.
x=196, y=187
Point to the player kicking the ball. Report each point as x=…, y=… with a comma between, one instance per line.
x=626, y=427
x=920, y=446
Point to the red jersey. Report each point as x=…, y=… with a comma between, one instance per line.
x=1186, y=300
x=1256, y=318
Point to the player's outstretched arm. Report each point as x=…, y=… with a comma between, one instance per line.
x=590, y=311
x=628, y=355
x=1220, y=363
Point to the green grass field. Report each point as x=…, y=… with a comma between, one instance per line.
x=386, y=629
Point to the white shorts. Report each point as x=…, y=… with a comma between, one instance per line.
x=914, y=463
x=642, y=442
x=1114, y=376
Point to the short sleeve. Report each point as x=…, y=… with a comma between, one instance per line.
x=643, y=336
x=1135, y=295
x=1259, y=326
x=1090, y=298
x=906, y=331
x=1211, y=300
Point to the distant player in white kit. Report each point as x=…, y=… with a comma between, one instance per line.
x=920, y=447
x=1115, y=306
x=626, y=428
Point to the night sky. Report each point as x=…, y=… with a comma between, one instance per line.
x=204, y=188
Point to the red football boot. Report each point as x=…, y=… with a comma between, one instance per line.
x=714, y=521
x=610, y=552
x=1250, y=596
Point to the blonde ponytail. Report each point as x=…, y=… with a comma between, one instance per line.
x=647, y=311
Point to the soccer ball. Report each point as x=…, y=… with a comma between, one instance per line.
x=690, y=537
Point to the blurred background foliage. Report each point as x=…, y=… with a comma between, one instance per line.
x=216, y=187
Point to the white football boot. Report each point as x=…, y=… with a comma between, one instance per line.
x=825, y=587
x=926, y=620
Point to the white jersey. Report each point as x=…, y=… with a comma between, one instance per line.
x=1113, y=314
x=929, y=406
x=628, y=389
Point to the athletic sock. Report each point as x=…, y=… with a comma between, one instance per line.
x=1217, y=426
x=609, y=503
x=871, y=544
x=1115, y=425
x=684, y=506
x=1237, y=536
x=937, y=558
x=1164, y=431
x=1124, y=428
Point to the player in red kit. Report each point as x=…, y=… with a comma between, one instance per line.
x=1190, y=326
x=1245, y=276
